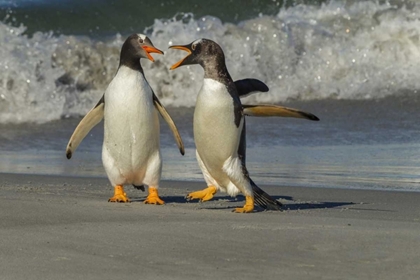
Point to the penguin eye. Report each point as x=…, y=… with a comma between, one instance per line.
x=193, y=47
x=140, y=40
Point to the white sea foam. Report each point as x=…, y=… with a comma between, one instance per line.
x=362, y=50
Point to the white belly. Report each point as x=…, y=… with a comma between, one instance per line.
x=131, y=142
x=215, y=133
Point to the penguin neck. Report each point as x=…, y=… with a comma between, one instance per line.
x=217, y=70
x=130, y=62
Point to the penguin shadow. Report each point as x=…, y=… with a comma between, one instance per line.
x=182, y=199
x=167, y=199
x=289, y=204
x=227, y=202
x=137, y=199
x=311, y=205
x=175, y=199
x=219, y=203
x=296, y=206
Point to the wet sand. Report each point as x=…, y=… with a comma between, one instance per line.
x=55, y=227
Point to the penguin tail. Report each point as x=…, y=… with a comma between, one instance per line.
x=264, y=200
x=141, y=187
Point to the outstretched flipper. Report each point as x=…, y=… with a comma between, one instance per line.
x=263, y=199
x=170, y=122
x=276, y=111
x=248, y=86
x=92, y=118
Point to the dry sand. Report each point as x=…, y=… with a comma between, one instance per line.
x=64, y=228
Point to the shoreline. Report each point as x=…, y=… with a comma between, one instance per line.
x=63, y=227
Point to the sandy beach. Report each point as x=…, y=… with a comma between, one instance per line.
x=64, y=228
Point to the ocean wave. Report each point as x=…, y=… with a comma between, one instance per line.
x=363, y=50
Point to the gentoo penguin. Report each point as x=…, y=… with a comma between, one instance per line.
x=219, y=127
x=130, y=151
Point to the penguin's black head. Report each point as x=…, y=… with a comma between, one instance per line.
x=137, y=46
x=202, y=51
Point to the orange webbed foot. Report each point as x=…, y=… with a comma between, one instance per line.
x=119, y=195
x=153, y=197
x=248, y=207
x=203, y=195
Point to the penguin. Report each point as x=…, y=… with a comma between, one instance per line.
x=129, y=107
x=219, y=127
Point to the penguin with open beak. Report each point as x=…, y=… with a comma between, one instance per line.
x=129, y=107
x=219, y=127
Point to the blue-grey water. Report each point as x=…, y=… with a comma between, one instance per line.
x=107, y=17
x=357, y=144
x=354, y=64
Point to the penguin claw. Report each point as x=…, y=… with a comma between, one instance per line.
x=120, y=198
x=203, y=195
x=248, y=207
x=119, y=195
x=154, y=200
x=153, y=197
x=243, y=210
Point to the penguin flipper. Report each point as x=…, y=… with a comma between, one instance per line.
x=248, y=86
x=264, y=200
x=276, y=111
x=165, y=115
x=92, y=118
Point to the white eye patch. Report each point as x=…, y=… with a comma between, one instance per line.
x=142, y=36
x=197, y=42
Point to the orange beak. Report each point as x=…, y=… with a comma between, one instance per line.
x=184, y=48
x=151, y=49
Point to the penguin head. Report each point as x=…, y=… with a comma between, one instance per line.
x=138, y=46
x=202, y=51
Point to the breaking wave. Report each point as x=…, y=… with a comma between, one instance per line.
x=363, y=50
